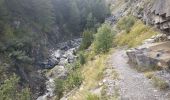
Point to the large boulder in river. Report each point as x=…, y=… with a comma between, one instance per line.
x=58, y=72
x=64, y=54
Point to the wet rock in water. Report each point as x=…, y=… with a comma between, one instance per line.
x=63, y=55
x=58, y=72
x=50, y=85
x=56, y=63
x=57, y=54
x=63, y=61
x=69, y=44
x=50, y=63
x=70, y=55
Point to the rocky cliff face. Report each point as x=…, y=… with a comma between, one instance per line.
x=155, y=13
x=161, y=14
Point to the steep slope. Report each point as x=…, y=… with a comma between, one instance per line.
x=31, y=29
x=153, y=12
x=131, y=85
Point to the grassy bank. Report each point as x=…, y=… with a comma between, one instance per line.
x=92, y=73
x=134, y=34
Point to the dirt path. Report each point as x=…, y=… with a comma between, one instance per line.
x=133, y=85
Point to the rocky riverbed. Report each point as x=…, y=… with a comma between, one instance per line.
x=65, y=54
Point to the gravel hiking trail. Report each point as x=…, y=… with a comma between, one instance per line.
x=133, y=85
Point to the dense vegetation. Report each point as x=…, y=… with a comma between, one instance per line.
x=9, y=90
x=28, y=28
x=104, y=38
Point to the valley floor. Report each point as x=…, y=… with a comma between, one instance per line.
x=133, y=85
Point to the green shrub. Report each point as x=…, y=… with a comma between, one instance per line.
x=104, y=39
x=126, y=23
x=9, y=90
x=100, y=75
x=73, y=80
x=87, y=39
x=59, y=88
x=82, y=58
x=73, y=66
x=25, y=94
x=92, y=97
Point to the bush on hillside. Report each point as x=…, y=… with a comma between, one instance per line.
x=126, y=23
x=139, y=32
x=25, y=94
x=104, y=39
x=82, y=58
x=59, y=88
x=87, y=39
x=73, y=80
x=9, y=90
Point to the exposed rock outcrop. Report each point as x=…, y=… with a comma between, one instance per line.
x=161, y=14
x=154, y=12
x=162, y=8
x=157, y=13
x=151, y=55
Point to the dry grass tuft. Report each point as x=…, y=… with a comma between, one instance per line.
x=92, y=73
x=159, y=83
x=137, y=34
x=149, y=74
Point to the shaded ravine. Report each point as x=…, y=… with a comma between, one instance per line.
x=65, y=54
x=133, y=85
x=50, y=88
